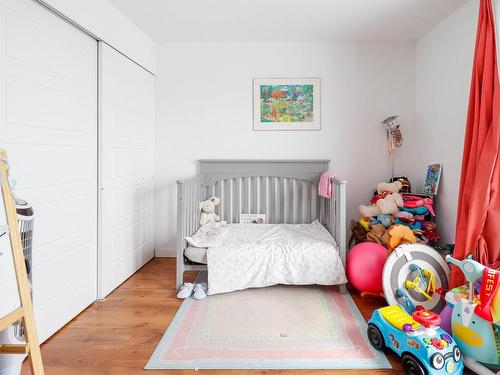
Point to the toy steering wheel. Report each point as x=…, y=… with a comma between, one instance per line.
x=427, y=318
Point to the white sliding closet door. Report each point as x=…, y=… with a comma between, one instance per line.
x=126, y=144
x=48, y=125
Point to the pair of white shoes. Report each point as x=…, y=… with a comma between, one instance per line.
x=198, y=291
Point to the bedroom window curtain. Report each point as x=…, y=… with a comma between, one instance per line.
x=478, y=219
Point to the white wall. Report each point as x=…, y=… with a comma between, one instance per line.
x=102, y=19
x=204, y=110
x=444, y=66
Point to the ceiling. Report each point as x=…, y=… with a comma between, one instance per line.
x=286, y=20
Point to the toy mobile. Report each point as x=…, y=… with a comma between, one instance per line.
x=424, y=348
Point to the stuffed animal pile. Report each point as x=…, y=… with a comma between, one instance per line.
x=394, y=217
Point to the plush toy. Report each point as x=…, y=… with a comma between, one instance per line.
x=379, y=235
x=400, y=234
x=414, y=225
x=430, y=234
x=208, y=214
x=358, y=233
x=416, y=211
x=376, y=197
x=369, y=211
x=404, y=215
x=406, y=188
x=389, y=205
x=385, y=220
x=393, y=187
x=365, y=223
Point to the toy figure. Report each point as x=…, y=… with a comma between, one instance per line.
x=430, y=233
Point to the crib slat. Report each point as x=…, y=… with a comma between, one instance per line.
x=305, y=202
x=266, y=201
x=239, y=206
x=231, y=200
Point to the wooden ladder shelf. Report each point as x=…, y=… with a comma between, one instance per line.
x=25, y=312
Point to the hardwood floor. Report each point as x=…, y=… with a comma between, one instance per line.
x=118, y=335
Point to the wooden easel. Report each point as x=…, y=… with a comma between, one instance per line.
x=25, y=312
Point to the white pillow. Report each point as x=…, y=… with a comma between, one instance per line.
x=209, y=235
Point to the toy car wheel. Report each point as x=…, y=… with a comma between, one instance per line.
x=375, y=337
x=412, y=366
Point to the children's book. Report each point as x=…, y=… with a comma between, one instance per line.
x=431, y=184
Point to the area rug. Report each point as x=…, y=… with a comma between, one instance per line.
x=279, y=327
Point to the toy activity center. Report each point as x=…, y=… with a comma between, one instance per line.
x=249, y=187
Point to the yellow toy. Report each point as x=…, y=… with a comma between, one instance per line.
x=365, y=223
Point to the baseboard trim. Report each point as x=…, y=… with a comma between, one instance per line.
x=165, y=253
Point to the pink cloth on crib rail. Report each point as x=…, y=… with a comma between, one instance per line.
x=325, y=185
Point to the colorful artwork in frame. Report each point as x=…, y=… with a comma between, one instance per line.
x=287, y=104
x=432, y=178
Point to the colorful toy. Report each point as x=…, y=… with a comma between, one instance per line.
x=412, y=201
x=408, y=305
x=408, y=262
x=413, y=225
x=365, y=263
x=365, y=223
x=416, y=211
x=425, y=277
x=424, y=348
x=430, y=234
x=400, y=234
x=474, y=315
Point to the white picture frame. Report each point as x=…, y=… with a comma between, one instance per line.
x=252, y=218
x=286, y=104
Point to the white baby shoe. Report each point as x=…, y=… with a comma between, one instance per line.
x=186, y=290
x=200, y=291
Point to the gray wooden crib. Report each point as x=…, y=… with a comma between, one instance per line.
x=285, y=190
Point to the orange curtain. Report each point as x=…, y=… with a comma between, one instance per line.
x=478, y=220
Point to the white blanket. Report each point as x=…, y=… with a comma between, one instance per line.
x=259, y=255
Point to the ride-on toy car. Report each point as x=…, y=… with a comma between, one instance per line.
x=424, y=348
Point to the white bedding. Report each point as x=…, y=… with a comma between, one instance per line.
x=259, y=255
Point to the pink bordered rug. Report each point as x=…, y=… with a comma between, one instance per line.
x=279, y=327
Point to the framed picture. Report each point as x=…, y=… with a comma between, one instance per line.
x=432, y=178
x=286, y=104
x=252, y=218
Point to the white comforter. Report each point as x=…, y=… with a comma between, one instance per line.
x=259, y=255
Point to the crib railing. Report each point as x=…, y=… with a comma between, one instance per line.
x=189, y=196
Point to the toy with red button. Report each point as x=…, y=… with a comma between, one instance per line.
x=427, y=318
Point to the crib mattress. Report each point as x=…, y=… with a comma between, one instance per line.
x=196, y=254
x=259, y=255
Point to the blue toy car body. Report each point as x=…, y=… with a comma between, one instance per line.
x=422, y=350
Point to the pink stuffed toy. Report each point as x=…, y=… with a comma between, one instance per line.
x=412, y=201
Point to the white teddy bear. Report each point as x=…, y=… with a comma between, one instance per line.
x=388, y=205
x=208, y=214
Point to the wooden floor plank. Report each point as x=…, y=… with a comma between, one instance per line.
x=118, y=335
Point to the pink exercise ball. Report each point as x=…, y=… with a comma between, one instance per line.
x=365, y=263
